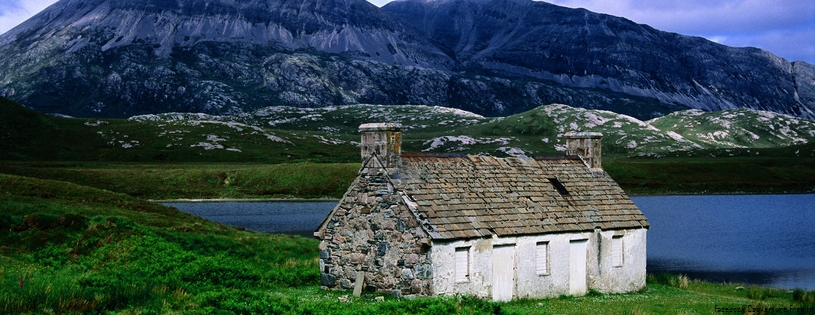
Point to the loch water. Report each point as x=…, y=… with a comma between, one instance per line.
x=756, y=239
x=285, y=217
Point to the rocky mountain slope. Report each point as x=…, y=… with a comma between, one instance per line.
x=578, y=48
x=107, y=58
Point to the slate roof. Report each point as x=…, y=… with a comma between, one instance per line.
x=466, y=196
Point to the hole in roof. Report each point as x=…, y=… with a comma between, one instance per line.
x=559, y=187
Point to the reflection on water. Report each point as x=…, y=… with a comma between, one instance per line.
x=757, y=239
x=288, y=217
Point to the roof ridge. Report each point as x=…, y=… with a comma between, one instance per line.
x=556, y=157
x=434, y=155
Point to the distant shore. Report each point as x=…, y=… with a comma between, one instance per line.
x=244, y=200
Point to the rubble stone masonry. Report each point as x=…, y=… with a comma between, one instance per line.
x=373, y=231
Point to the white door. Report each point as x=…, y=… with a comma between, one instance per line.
x=577, y=267
x=503, y=272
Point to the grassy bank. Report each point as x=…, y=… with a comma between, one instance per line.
x=67, y=248
x=198, y=180
x=70, y=249
x=699, y=175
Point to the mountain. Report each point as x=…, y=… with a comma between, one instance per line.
x=578, y=48
x=111, y=58
x=119, y=58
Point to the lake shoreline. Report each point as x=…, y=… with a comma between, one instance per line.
x=295, y=199
x=740, y=222
x=244, y=200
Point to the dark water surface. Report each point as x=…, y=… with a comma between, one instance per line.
x=288, y=217
x=756, y=239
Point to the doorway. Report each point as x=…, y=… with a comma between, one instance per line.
x=503, y=272
x=577, y=267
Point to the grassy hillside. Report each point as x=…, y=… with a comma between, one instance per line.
x=261, y=154
x=71, y=249
x=26, y=134
x=285, y=134
x=738, y=128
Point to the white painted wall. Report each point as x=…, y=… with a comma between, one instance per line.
x=631, y=275
x=601, y=275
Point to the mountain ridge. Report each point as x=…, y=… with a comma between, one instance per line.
x=598, y=50
x=105, y=58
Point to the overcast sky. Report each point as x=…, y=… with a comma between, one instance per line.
x=784, y=27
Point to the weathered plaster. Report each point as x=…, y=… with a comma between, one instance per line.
x=601, y=276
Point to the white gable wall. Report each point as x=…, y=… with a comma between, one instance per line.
x=631, y=275
x=529, y=282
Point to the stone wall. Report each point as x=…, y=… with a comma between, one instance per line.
x=373, y=231
x=383, y=140
x=587, y=145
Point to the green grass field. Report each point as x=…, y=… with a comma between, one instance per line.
x=700, y=175
x=168, y=181
x=72, y=249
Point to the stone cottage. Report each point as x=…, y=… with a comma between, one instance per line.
x=499, y=228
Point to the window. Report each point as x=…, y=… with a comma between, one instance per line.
x=542, y=258
x=617, y=251
x=462, y=264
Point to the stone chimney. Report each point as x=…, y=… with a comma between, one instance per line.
x=587, y=146
x=384, y=140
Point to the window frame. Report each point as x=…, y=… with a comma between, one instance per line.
x=462, y=252
x=542, y=248
x=617, y=251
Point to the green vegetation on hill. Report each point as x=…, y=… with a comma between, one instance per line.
x=285, y=135
x=26, y=134
x=185, y=155
x=71, y=249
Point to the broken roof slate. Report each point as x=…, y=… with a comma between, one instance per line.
x=462, y=195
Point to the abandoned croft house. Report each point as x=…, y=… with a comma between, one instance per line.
x=500, y=228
